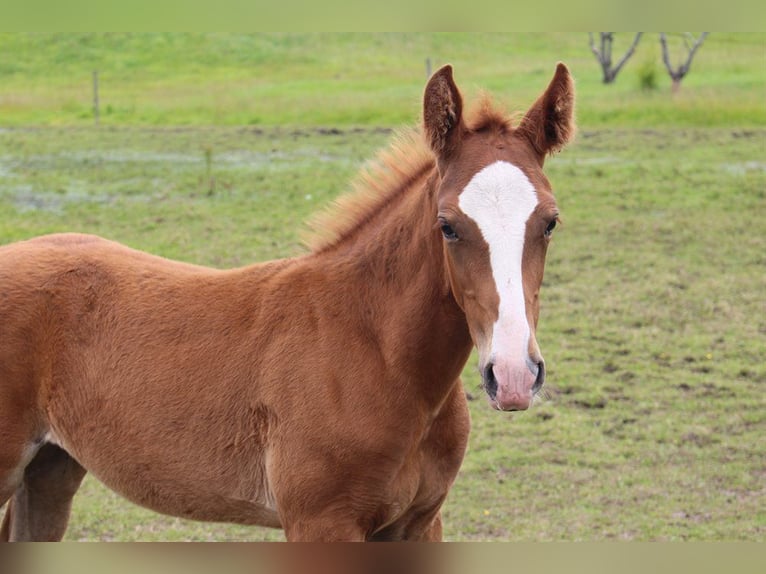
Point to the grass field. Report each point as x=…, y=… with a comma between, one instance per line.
x=653, y=321
x=356, y=79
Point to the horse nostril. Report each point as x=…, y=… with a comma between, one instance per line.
x=490, y=382
x=540, y=379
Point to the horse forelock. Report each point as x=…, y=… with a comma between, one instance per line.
x=487, y=115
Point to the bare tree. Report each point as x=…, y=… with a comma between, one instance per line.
x=604, y=54
x=692, y=45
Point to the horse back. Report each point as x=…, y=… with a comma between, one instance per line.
x=56, y=292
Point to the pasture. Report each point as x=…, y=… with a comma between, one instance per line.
x=216, y=150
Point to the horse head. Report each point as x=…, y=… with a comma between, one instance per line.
x=496, y=212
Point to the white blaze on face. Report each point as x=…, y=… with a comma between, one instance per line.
x=500, y=200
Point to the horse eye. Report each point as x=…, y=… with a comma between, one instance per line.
x=448, y=232
x=550, y=228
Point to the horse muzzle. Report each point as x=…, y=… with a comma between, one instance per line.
x=511, y=387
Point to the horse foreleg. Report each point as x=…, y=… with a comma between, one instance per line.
x=434, y=531
x=5, y=529
x=39, y=509
x=324, y=529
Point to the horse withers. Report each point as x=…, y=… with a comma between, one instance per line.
x=320, y=394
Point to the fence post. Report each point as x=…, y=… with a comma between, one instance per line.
x=95, y=96
x=428, y=68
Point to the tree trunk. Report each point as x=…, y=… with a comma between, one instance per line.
x=604, y=55
x=677, y=74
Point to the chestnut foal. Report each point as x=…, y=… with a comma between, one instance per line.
x=319, y=394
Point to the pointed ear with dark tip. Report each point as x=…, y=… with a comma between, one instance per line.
x=442, y=113
x=549, y=123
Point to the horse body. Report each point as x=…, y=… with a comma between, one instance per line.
x=320, y=394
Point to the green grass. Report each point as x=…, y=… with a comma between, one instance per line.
x=353, y=79
x=653, y=322
x=652, y=318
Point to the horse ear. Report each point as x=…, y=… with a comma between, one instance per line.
x=549, y=123
x=442, y=113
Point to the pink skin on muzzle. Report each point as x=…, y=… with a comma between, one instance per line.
x=515, y=384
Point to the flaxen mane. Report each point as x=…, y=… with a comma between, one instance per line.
x=388, y=175
x=385, y=177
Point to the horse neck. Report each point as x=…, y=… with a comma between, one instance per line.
x=392, y=270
